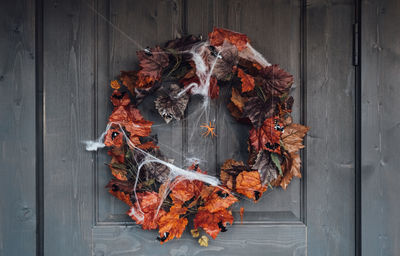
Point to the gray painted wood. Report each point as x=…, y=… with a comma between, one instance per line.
x=330, y=174
x=69, y=119
x=275, y=240
x=380, y=127
x=17, y=128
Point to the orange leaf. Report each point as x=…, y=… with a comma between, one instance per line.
x=247, y=81
x=237, y=99
x=120, y=99
x=115, y=85
x=241, y=214
x=114, y=138
x=117, y=172
x=292, y=138
x=184, y=190
x=219, y=35
x=171, y=225
x=249, y=184
x=219, y=200
x=213, y=223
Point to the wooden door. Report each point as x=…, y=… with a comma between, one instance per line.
x=87, y=43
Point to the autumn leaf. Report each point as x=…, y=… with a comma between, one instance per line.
x=265, y=167
x=249, y=184
x=292, y=138
x=171, y=224
x=213, y=90
x=274, y=80
x=223, y=63
x=114, y=138
x=291, y=165
x=229, y=171
x=247, y=81
x=153, y=63
x=219, y=35
x=195, y=232
x=120, y=99
x=258, y=110
x=120, y=185
x=115, y=84
x=118, y=170
x=241, y=214
x=145, y=211
x=183, y=43
x=172, y=105
x=203, y=241
x=213, y=223
x=237, y=99
x=267, y=136
x=183, y=190
x=117, y=153
x=218, y=200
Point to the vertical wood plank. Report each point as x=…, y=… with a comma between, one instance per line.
x=274, y=30
x=17, y=128
x=143, y=23
x=68, y=114
x=380, y=127
x=330, y=114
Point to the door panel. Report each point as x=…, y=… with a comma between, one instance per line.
x=87, y=44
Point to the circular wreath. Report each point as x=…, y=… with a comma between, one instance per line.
x=163, y=196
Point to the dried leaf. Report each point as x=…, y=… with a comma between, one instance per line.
x=120, y=185
x=126, y=198
x=195, y=233
x=218, y=200
x=171, y=225
x=292, y=138
x=115, y=84
x=213, y=90
x=120, y=99
x=224, y=63
x=118, y=170
x=219, y=35
x=249, y=184
x=237, y=99
x=241, y=214
x=213, y=223
x=153, y=64
x=258, y=110
x=267, y=136
x=229, y=171
x=274, y=80
x=172, y=105
x=292, y=168
x=203, y=241
x=247, y=81
x=114, y=138
x=265, y=167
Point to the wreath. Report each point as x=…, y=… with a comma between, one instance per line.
x=164, y=196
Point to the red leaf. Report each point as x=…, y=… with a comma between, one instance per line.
x=218, y=36
x=153, y=64
x=266, y=137
x=213, y=90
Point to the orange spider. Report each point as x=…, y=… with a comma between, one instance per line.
x=209, y=130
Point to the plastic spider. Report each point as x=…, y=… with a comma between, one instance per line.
x=210, y=130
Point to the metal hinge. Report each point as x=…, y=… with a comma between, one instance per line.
x=356, y=47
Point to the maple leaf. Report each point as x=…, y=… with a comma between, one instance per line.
x=183, y=190
x=145, y=210
x=213, y=223
x=258, y=110
x=218, y=200
x=172, y=105
x=153, y=64
x=224, y=62
x=291, y=165
x=267, y=136
x=249, y=184
x=119, y=99
x=171, y=224
x=114, y=138
x=274, y=80
x=219, y=35
x=265, y=167
x=229, y=171
x=292, y=138
x=247, y=81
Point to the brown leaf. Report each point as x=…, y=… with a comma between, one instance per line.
x=224, y=64
x=274, y=80
x=292, y=168
x=265, y=167
x=237, y=99
x=153, y=63
x=229, y=171
x=170, y=105
x=292, y=138
x=258, y=110
x=249, y=184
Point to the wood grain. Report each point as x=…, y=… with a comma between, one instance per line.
x=330, y=114
x=17, y=128
x=68, y=114
x=380, y=127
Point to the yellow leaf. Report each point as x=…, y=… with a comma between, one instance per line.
x=115, y=85
x=203, y=241
x=195, y=233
